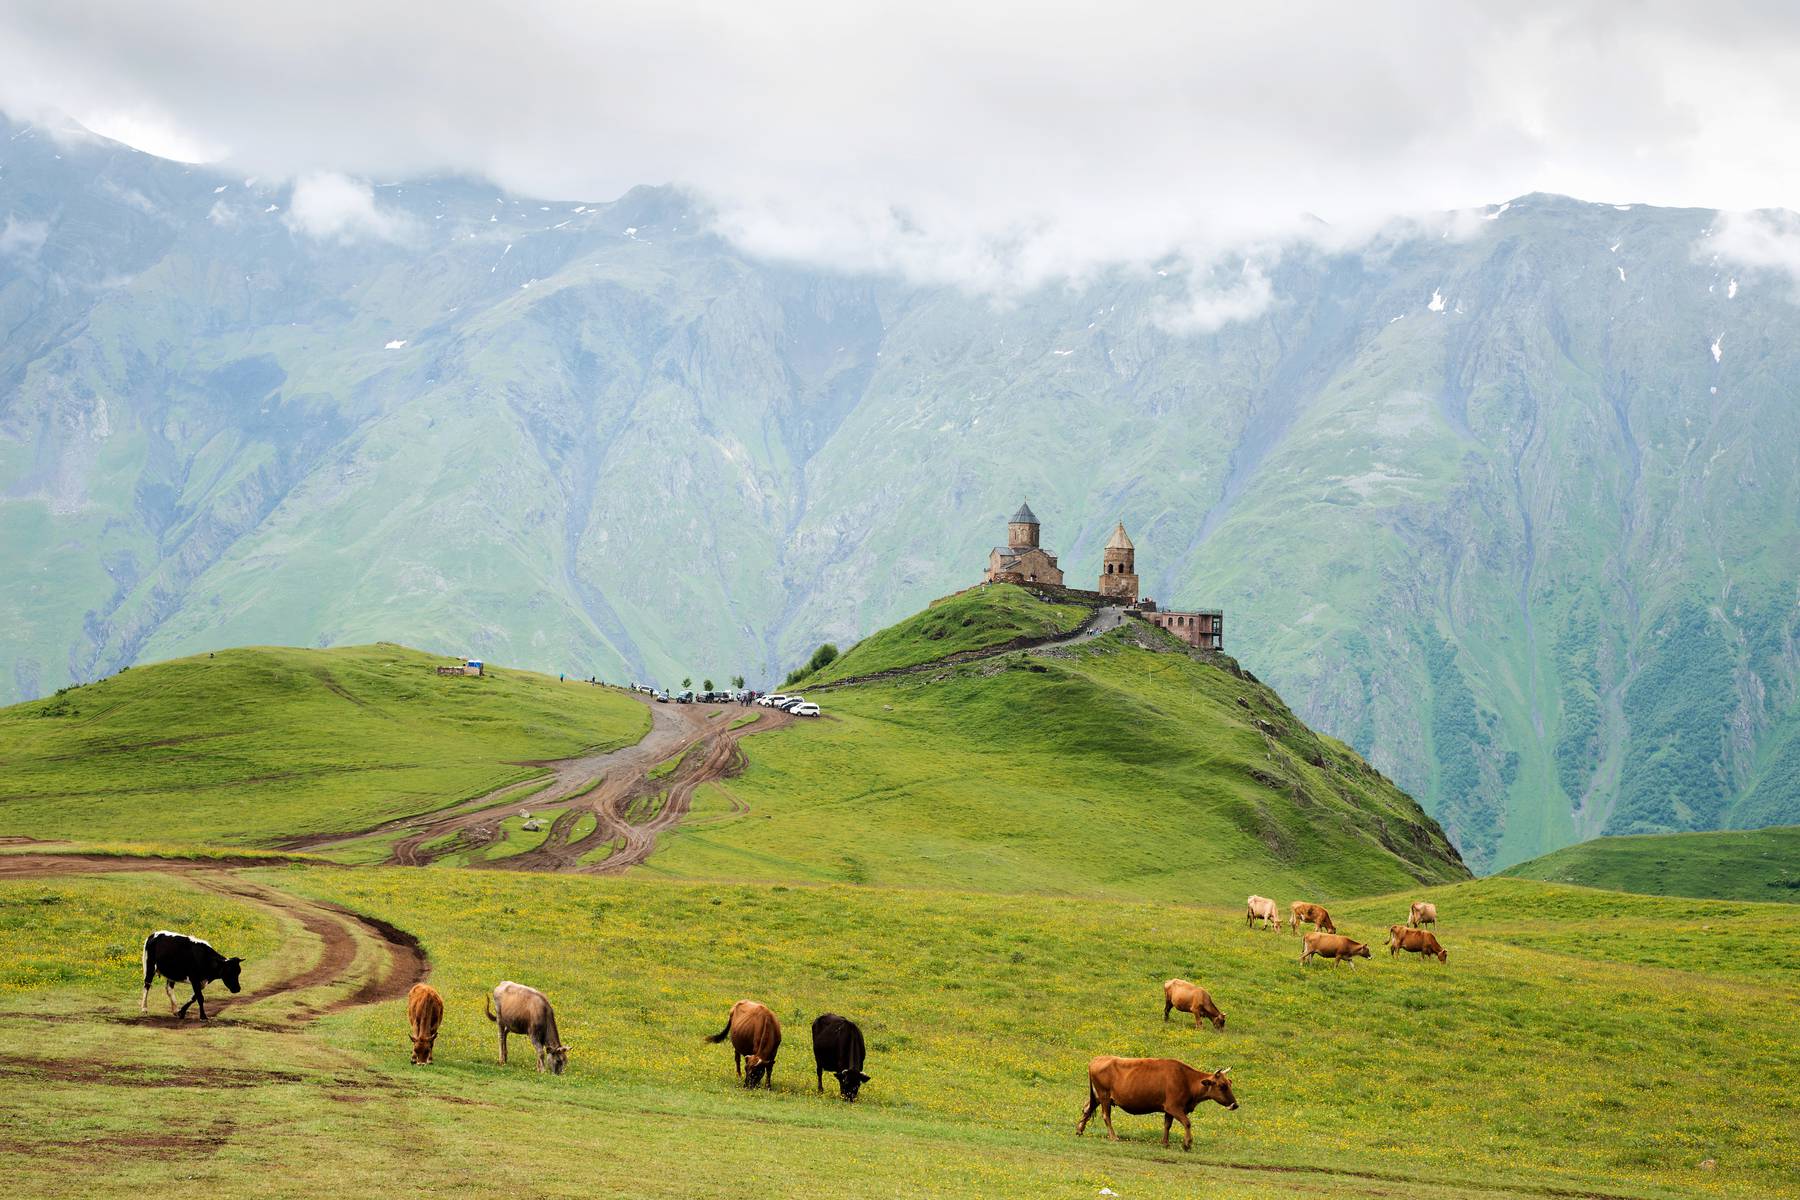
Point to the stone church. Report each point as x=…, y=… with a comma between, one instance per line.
x=1024, y=560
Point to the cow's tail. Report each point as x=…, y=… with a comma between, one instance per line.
x=720, y=1036
x=149, y=973
x=488, y=1004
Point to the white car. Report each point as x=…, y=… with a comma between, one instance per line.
x=774, y=700
x=805, y=709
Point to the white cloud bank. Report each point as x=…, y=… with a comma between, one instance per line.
x=333, y=207
x=1001, y=145
x=1759, y=241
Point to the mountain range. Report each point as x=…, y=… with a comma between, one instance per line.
x=1511, y=505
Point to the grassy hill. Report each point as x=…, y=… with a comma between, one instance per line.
x=246, y=747
x=1755, y=864
x=1126, y=766
x=974, y=620
x=1533, y=1064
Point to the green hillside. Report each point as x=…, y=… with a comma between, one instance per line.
x=974, y=620
x=1758, y=864
x=1126, y=766
x=1536, y=1058
x=249, y=746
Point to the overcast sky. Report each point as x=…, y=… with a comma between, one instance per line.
x=994, y=142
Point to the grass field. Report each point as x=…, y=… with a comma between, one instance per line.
x=247, y=747
x=1557, y=1053
x=974, y=620
x=1751, y=864
x=1108, y=769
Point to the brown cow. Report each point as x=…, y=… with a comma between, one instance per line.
x=1179, y=994
x=1311, y=914
x=1148, y=1085
x=424, y=1013
x=1334, y=946
x=1415, y=941
x=1422, y=914
x=526, y=1010
x=755, y=1038
x=1261, y=908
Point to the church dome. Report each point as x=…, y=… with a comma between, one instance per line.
x=1024, y=516
x=1118, y=540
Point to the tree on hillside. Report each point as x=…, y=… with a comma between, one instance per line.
x=686, y=682
x=706, y=685
x=737, y=681
x=821, y=658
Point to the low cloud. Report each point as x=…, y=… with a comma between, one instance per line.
x=1757, y=242
x=21, y=239
x=331, y=207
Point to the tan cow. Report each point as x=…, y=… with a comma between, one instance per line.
x=526, y=1010
x=1311, y=914
x=1334, y=946
x=1422, y=914
x=1147, y=1085
x=1415, y=941
x=755, y=1038
x=1261, y=908
x=1180, y=995
x=424, y=1013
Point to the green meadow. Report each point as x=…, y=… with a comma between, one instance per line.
x=1560, y=1052
x=1739, y=864
x=251, y=746
x=992, y=867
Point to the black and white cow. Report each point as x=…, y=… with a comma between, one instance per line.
x=179, y=958
x=838, y=1048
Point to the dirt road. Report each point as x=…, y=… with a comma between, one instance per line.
x=333, y=959
x=628, y=806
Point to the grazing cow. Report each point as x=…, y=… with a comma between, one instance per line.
x=1415, y=941
x=1179, y=994
x=1422, y=914
x=1147, y=1085
x=838, y=1048
x=526, y=1010
x=1334, y=946
x=1261, y=908
x=179, y=958
x=1311, y=914
x=424, y=1013
x=755, y=1038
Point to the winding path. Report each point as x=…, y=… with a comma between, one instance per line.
x=343, y=959
x=630, y=808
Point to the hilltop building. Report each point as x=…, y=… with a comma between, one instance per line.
x=1023, y=560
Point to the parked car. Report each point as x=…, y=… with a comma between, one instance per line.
x=685, y=698
x=789, y=703
x=662, y=697
x=805, y=708
x=773, y=700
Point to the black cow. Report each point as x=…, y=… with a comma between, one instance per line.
x=179, y=958
x=838, y=1048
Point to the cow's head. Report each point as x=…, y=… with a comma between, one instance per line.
x=422, y=1048
x=559, y=1058
x=1326, y=925
x=228, y=974
x=1361, y=951
x=754, y=1066
x=1218, y=1019
x=1215, y=1086
x=1443, y=955
x=850, y=1082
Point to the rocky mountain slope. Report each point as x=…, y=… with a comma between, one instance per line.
x=1511, y=509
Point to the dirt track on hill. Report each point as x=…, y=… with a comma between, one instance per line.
x=630, y=809
x=359, y=960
